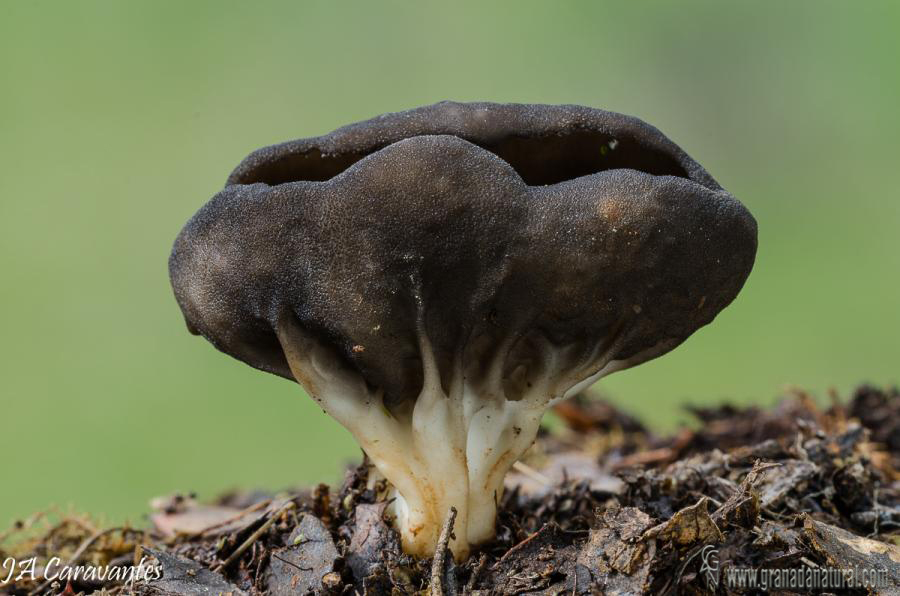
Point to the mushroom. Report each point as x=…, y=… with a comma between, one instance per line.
x=436, y=279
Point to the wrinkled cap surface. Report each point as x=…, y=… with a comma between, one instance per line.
x=526, y=232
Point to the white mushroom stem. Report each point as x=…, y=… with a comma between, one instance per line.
x=454, y=451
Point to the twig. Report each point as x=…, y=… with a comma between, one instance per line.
x=440, y=555
x=473, y=579
x=246, y=511
x=875, y=507
x=298, y=567
x=254, y=537
x=22, y=525
x=526, y=470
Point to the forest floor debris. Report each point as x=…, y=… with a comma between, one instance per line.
x=598, y=506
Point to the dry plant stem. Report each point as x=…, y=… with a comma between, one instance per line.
x=476, y=573
x=22, y=526
x=440, y=555
x=247, y=511
x=530, y=472
x=255, y=536
x=455, y=448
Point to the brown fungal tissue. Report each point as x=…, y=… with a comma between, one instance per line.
x=437, y=278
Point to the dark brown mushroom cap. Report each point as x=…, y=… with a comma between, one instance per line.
x=490, y=229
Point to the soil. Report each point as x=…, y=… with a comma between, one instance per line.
x=600, y=505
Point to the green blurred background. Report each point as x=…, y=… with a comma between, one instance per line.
x=119, y=119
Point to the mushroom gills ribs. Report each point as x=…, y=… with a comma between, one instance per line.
x=437, y=278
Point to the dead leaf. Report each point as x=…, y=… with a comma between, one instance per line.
x=183, y=577
x=309, y=556
x=689, y=526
